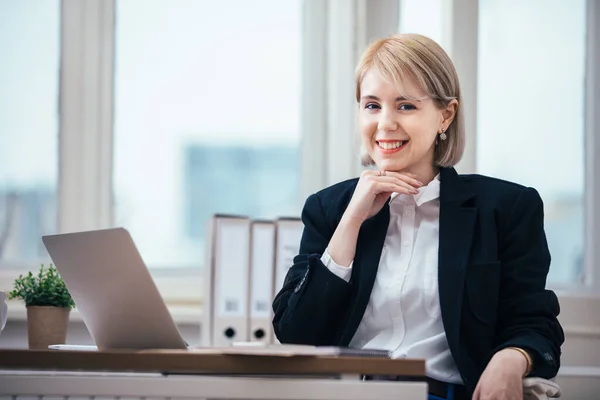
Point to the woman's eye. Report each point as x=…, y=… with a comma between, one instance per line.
x=372, y=106
x=406, y=107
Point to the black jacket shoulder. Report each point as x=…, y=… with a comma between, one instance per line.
x=490, y=191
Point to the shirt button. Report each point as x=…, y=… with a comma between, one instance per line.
x=409, y=212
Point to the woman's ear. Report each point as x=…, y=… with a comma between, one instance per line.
x=449, y=113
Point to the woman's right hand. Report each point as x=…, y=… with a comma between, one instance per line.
x=373, y=190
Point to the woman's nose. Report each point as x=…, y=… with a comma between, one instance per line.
x=387, y=123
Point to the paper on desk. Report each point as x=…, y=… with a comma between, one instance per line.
x=253, y=349
x=238, y=348
x=273, y=350
x=76, y=347
x=262, y=350
x=288, y=350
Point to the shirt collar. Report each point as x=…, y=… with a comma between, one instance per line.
x=426, y=194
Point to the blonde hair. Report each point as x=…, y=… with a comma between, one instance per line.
x=411, y=56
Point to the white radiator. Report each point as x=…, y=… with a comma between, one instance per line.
x=576, y=384
x=36, y=385
x=69, y=397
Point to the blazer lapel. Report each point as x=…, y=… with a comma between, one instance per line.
x=366, y=262
x=457, y=221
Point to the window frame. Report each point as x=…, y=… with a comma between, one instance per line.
x=460, y=27
x=592, y=144
x=86, y=114
x=461, y=21
x=334, y=34
x=579, y=302
x=86, y=98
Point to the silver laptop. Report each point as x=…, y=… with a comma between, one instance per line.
x=113, y=290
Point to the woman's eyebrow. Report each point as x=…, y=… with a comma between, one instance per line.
x=400, y=98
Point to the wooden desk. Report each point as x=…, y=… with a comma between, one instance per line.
x=189, y=375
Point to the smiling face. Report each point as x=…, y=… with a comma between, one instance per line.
x=399, y=125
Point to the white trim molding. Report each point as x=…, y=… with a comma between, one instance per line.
x=336, y=32
x=181, y=289
x=579, y=382
x=460, y=26
x=314, y=96
x=86, y=114
x=581, y=323
x=345, y=24
x=592, y=146
x=579, y=313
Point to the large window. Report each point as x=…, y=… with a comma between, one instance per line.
x=530, y=93
x=423, y=17
x=206, y=119
x=213, y=100
x=531, y=98
x=29, y=79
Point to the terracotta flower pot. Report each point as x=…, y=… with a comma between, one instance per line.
x=46, y=325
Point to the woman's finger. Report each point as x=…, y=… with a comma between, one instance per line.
x=395, y=180
x=405, y=177
x=390, y=187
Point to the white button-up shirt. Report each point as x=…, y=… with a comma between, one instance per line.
x=403, y=314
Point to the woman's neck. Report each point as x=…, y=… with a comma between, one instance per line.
x=425, y=173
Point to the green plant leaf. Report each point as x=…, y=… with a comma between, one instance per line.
x=47, y=288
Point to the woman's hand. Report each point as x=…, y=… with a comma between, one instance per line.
x=503, y=377
x=374, y=188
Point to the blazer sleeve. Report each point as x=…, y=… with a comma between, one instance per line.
x=309, y=307
x=527, y=313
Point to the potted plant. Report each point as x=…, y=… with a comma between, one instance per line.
x=48, y=303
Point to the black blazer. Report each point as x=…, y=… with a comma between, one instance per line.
x=493, y=262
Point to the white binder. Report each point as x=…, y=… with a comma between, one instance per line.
x=287, y=246
x=206, y=327
x=289, y=234
x=262, y=261
x=231, y=279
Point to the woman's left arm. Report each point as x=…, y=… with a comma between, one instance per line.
x=527, y=312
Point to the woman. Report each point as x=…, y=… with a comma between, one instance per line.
x=414, y=258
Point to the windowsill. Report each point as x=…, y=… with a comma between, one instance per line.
x=180, y=289
x=182, y=314
x=579, y=371
x=577, y=292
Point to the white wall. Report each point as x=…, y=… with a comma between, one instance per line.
x=15, y=334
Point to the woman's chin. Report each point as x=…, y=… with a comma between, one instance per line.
x=391, y=165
